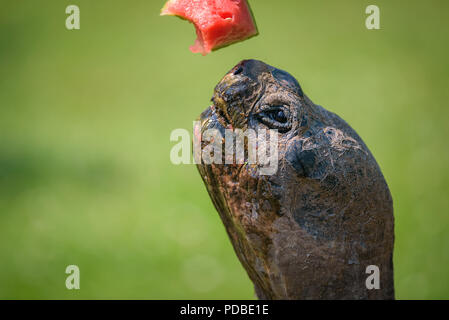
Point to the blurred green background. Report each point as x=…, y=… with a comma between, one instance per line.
x=86, y=116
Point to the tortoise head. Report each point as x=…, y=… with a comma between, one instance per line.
x=309, y=227
x=255, y=95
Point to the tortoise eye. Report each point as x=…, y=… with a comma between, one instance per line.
x=279, y=116
x=275, y=117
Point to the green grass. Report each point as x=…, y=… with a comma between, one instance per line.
x=86, y=116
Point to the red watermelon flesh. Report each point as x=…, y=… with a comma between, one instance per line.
x=218, y=23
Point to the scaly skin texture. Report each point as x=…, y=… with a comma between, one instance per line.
x=310, y=230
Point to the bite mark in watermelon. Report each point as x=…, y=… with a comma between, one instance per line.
x=218, y=23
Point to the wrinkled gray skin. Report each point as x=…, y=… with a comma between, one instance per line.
x=310, y=230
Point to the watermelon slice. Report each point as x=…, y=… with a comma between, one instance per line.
x=218, y=23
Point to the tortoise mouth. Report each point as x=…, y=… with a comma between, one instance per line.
x=228, y=100
x=233, y=98
x=220, y=110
